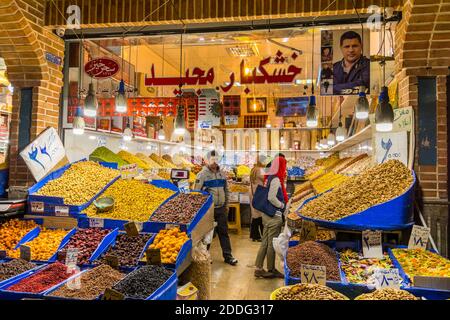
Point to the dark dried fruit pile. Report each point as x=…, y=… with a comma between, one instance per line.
x=86, y=241
x=316, y=254
x=141, y=283
x=93, y=283
x=127, y=249
x=13, y=268
x=44, y=279
x=181, y=209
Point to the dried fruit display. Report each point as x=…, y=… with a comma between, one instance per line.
x=348, y=162
x=12, y=231
x=86, y=241
x=13, y=268
x=316, y=254
x=417, y=262
x=152, y=164
x=377, y=185
x=328, y=161
x=238, y=187
x=387, y=294
x=358, y=269
x=76, y=185
x=168, y=158
x=92, y=284
x=180, y=209
x=133, y=200
x=359, y=167
x=141, y=283
x=328, y=181
x=306, y=291
x=242, y=170
x=163, y=163
x=127, y=249
x=181, y=161
x=104, y=154
x=131, y=158
x=45, y=245
x=170, y=243
x=164, y=174
x=44, y=279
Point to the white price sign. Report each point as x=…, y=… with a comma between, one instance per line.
x=61, y=211
x=313, y=274
x=419, y=237
x=244, y=198
x=71, y=256
x=391, y=146
x=385, y=278
x=96, y=223
x=183, y=186
x=371, y=241
x=129, y=171
x=37, y=207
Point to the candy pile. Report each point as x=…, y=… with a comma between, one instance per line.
x=92, y=284
x=133, y=200
x=86, y=241
x=12, y=231
x=127, y=249
x=13, y=268
x=76, y=185
x=43, y=279
x=316, y=254
x=181, y=209
x=306, y=291
x=170, y=243
x=141, y=283
x=387, y=294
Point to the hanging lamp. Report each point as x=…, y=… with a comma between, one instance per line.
x=331, y=139
x=121, y=100
x=161, y=133
x=341, y=132
x=127, y=133
x=91, y=102
x=180, y=123
x=78, y=122
x=312, y=113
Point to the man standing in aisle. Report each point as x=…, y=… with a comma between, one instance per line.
x=212, y=180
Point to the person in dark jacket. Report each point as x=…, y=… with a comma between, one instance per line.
x=353, y=70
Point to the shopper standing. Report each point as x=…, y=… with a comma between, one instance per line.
x=272, y=225
x=256, y=179
x=213, y=181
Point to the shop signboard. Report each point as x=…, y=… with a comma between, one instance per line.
x=419, y=237
x=101, y=68
x=391, y=146
x=45, y=154
x=371, y=241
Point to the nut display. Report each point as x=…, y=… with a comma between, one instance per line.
x=163, y=163
x=133, y=200
x=377, y=185
x=306, y=291
x=45, y=245
x=417, y=262
x=359, y=166
x=169, y=241
x=316, y=254
x=181, y=161
x=387, y=294
x=11, y=232
x=86, y=241
x=348, y=162
x=76, y=185
x=44, y=279
x=321, y=235
x=152, y=164
x=130, y=158
x=168, y=158
x=104, y=154
x=242, y=170
x=238, y=187
x=13, y=268
x=328, y=181
x=92, y=284
x=358, y=269
x=180, y=209
x=141, y=283
x=127, y=249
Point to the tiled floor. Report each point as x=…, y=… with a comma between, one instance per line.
x=238, y=282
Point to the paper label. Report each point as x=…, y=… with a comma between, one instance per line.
x=71, y=257
x=61, y=211
x=139, y=225
x=313, y=274
x=96, y=223
x=131, y=229
x=25, y=253
x=129, y=171
x=244, y=198
x=111, y=294
x=153, y=256
x=419, y=237
x=171, y=226
x=183, y=186
x=234, y=197
x=387, y=278
x=308, y=231
x=37, y=207
x=371, y=241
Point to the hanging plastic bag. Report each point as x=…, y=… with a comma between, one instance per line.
x=281, y=243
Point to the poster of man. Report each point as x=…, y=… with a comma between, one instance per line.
x=351, y=61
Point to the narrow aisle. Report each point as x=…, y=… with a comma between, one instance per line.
x=238, y=282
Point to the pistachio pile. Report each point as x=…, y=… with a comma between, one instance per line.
x=306, y=291
x=387, y=294
x=376, y=185
x=80, y=183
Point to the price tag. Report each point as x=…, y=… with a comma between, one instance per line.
x=3, y=254
x=244, y=198
x=113, y=261
x=37, y=207
x=313, y=274
x=234, y=197
x=25, y=253
x=61, y=211
x=371, y=241
x=171, y=226
x=153, y=256
x=419, y=237
x=96, y=223
x=308, y=231
x=71, y=257
x=129, y=171
x=111, y=294
x=139, y=225
x=387, y=278
x=131, y=229
x=183, y=186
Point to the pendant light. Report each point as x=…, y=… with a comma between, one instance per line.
x=161, y=133
x=384, y=114
x=282, y=139
x=311, y=111
x=331, y=139
x=91, y=102
x=341, y=132
x=121, y=100
x=180, y=123
x=127, y=133
x=78, y=122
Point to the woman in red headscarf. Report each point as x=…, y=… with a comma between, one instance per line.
x=274, y=179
